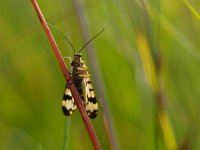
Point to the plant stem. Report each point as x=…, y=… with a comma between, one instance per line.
x=66, y=74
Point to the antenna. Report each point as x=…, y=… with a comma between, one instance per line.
x=62, y=35
x=91, y=39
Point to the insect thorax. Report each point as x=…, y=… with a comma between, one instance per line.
x=79, y=69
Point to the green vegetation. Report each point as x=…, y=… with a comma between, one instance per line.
x=149, y=59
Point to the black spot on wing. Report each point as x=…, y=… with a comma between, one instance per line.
x=88, y=82
x=92, y=99
x=66, y=112
x=91, y=89
x=93, y=114
x=67, y=97
x=68, y=107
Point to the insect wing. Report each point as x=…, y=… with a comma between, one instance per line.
x=68, y=105
x=90, y=100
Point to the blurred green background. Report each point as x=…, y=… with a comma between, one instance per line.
x=149, y=58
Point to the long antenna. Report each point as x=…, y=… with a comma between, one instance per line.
x=91, y=39
x=63, y=36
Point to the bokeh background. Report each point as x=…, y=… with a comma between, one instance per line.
x=148, y=59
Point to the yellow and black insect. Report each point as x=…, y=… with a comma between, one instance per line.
x=81, y=79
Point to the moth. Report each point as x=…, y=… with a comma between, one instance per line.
x=81, y=79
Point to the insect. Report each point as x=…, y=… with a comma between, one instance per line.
x=81, y=79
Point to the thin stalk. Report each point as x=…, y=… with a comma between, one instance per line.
x=192, y=9
x=96, y=71
x=152, y=67
x=66, y=133
x=67, y=77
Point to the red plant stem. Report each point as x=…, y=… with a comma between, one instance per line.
x=66, y=74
